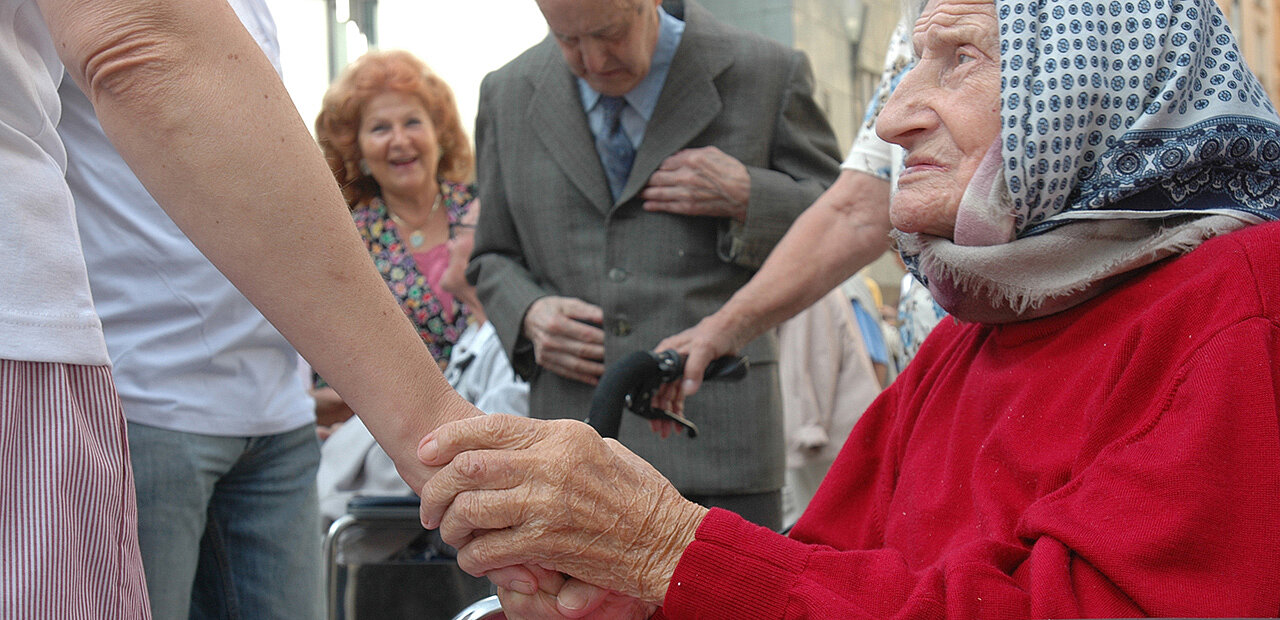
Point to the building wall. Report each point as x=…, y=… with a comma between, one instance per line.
x=819, y=27
x=846, y=64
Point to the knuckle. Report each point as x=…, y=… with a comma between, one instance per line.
x=470, y=466
x=479, y=556
x=466, y=511
x=467, y=561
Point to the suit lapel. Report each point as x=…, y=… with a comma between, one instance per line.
x=556, y=115
x=689, y=99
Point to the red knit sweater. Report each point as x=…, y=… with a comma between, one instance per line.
x=1121, y=458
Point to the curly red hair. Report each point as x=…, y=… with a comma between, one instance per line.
x=370, y=75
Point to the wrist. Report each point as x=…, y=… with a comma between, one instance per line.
x=741, y=196
x=734, y=324
x=680, y=529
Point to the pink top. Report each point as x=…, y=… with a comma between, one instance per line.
x=432, y=264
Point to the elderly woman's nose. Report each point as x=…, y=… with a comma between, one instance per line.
x=905, y=114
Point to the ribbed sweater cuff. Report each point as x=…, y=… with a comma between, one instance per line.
x=734, y=569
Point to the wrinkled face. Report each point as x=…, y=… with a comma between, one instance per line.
x=608, y=43
x=945, y=112
x=398, y=143
x=462, y=239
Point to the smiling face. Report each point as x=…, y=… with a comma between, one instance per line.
x=945, y=112
x=398, y=142
x=608, y=43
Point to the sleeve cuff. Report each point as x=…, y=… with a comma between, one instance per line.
x=734, y=569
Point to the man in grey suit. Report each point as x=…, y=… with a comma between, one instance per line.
x=636, y=167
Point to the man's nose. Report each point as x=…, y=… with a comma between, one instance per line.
x=594, y=55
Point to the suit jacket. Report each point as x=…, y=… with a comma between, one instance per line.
x=550, y=227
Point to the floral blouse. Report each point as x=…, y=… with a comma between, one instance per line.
x=438, y=326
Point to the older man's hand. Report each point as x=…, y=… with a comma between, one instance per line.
x=703, y=181
x=567, y=337
x=514, y=491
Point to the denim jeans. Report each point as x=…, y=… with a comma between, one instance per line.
x=229, y=526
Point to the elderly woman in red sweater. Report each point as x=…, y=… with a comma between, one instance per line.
x=1087, y=190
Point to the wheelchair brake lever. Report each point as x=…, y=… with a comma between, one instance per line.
x=639, y=404
x=688, y=425
x=727, y=368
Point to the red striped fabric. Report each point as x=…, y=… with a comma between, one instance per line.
x=68, y=520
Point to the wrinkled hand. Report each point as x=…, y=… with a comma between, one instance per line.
x=700, y=345
x=566, y=337
x=703, y=181
x=552, y=493
x=559, y=597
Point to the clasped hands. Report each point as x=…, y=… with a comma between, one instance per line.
x=529, y=502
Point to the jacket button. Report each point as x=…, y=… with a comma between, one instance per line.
x=617, y=274
x=622, y=327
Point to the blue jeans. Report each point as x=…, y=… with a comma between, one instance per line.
x=229, y=526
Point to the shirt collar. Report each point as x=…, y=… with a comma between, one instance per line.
x=644, y=97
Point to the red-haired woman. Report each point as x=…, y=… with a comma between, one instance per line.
x=390, y=131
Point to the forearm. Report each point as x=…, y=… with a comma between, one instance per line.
x=844, y=230
x=196, y=110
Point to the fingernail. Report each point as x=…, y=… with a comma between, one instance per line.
x=524, y=587
x=428, y=449
x=573, y=599
x=688, y=386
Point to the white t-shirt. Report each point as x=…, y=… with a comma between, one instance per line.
x=870, y=153
x=189, y=352
x=46, y=312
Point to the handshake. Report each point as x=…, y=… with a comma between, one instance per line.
x=566, y=524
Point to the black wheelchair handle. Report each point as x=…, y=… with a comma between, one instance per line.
x=632, y=381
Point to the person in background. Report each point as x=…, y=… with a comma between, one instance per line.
x=636, y=167
x=351, y=461
x=221, y=429
x=842, y=232
x=1072, y=443
x=827, y=380
x=864, y=296
x=196, y=110
x=390, y=130
x=918, y=314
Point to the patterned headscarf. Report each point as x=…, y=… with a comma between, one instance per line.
x=1104, y=101
x=1132, y=130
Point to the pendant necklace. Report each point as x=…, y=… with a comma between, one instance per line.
x=416, y=237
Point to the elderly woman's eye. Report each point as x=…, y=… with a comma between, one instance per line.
x=962, y=58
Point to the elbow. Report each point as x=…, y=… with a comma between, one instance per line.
x=133, y=59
